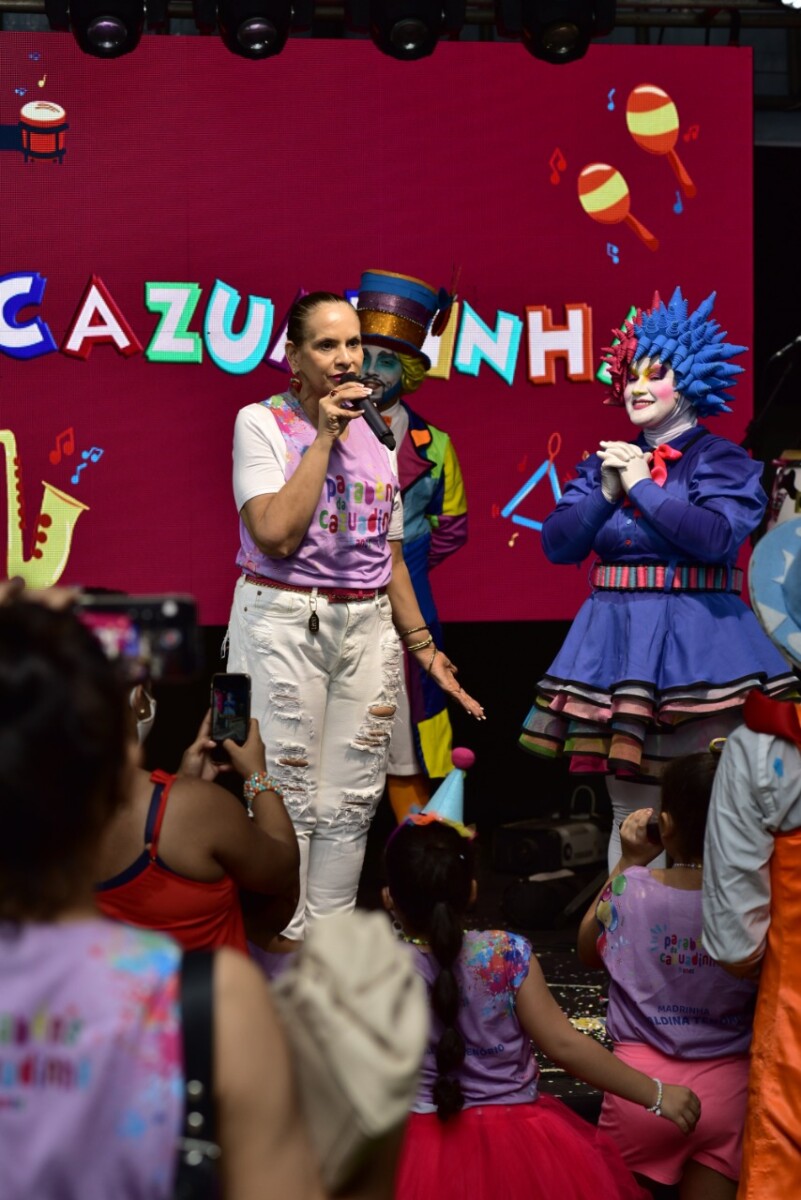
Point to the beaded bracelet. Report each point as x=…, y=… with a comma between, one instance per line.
x=415, y=629
x=421, y=645
x=656, y=1109
x=257, y=783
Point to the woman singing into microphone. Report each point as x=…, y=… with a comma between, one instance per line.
x=323, y=597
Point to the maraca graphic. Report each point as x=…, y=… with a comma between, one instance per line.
x=604, y=196
x=653, y=122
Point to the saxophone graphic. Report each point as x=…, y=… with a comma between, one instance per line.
x=52, y=537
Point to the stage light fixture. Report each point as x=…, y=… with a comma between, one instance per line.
x=103, y=28
x=557, y=31
x=406, y=29
x=254, y=28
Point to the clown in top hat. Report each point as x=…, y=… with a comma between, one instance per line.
x=396, y=313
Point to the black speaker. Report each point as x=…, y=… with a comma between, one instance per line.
x=532, y=847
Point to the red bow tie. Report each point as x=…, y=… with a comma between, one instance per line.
x=662, y=455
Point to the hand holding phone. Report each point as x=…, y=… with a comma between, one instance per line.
x=230, y=711
x=250, y=758
x=652, y=833
x=635, y=845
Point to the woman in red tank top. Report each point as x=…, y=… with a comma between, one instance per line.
x=177, y=855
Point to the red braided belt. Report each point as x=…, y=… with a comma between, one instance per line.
x=332, y=595
x=645, y=577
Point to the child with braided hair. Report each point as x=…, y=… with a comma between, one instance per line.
x=478, y=1123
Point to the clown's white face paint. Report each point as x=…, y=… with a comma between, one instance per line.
x=650, y=393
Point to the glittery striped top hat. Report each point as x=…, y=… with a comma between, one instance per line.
x=396, y=311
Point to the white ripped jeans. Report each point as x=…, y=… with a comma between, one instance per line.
x=325, y=703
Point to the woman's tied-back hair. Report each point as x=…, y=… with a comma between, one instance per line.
x=413, y=372
x=300, y=310
x=686, y=792
x=693, y=347
x=430, y=874
x=62, y=756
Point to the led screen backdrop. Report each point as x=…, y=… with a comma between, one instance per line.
x=161, y=212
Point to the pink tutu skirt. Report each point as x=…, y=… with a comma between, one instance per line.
x=539, y=1151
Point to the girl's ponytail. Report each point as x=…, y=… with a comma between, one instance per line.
x=445, y=936
x=430, y=875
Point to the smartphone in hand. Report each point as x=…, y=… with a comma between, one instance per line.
x=652, y=833
x=230, y=711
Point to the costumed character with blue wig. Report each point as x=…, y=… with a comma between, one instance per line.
x=661, y=656
x=395, y=312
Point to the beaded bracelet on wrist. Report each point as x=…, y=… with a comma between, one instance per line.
x=421, y=645
x=656, y=1109
x=255, y=784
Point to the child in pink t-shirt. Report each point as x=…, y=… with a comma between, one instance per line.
x=673, y=1011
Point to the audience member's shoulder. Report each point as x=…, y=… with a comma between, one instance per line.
x=142, y=951
x=486, y=944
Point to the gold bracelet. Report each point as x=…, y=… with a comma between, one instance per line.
x=421, y=645
x=431, y=661
x=406, y=632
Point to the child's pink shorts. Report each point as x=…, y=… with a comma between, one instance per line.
x=656, y=1147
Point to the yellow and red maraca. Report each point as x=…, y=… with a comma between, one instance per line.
x=604, y=195
x=653, y=122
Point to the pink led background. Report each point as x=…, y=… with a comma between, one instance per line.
x=184, y=163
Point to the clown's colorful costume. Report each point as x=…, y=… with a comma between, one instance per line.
x=661, y=656
x=434, y=527
x=434, y=516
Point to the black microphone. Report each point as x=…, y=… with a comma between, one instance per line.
x=793, y=345
x=371, y=414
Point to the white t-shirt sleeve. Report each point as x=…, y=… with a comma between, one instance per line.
x=395, y=531
x=259, y=454
x=738, y=847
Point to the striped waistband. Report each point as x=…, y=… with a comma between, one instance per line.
x=332, y=595
x=656, y=577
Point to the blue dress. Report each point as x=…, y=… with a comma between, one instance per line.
x=650, y=670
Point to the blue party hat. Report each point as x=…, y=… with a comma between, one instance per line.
x=447, y=803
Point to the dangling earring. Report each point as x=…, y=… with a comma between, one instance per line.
x=295, y=383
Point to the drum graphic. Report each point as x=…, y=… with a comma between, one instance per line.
x=43, y=129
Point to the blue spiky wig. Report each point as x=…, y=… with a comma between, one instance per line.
x=692, y=346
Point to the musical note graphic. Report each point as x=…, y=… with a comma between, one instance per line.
x=41, y=82
x=65, y=445
x=557, y=163
x=611, y=104
x=20, y=91
x=613, y=251
x=692, y=133
x=678, y=207
x=92, y=455
x=546, y=468
x=513, y=539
